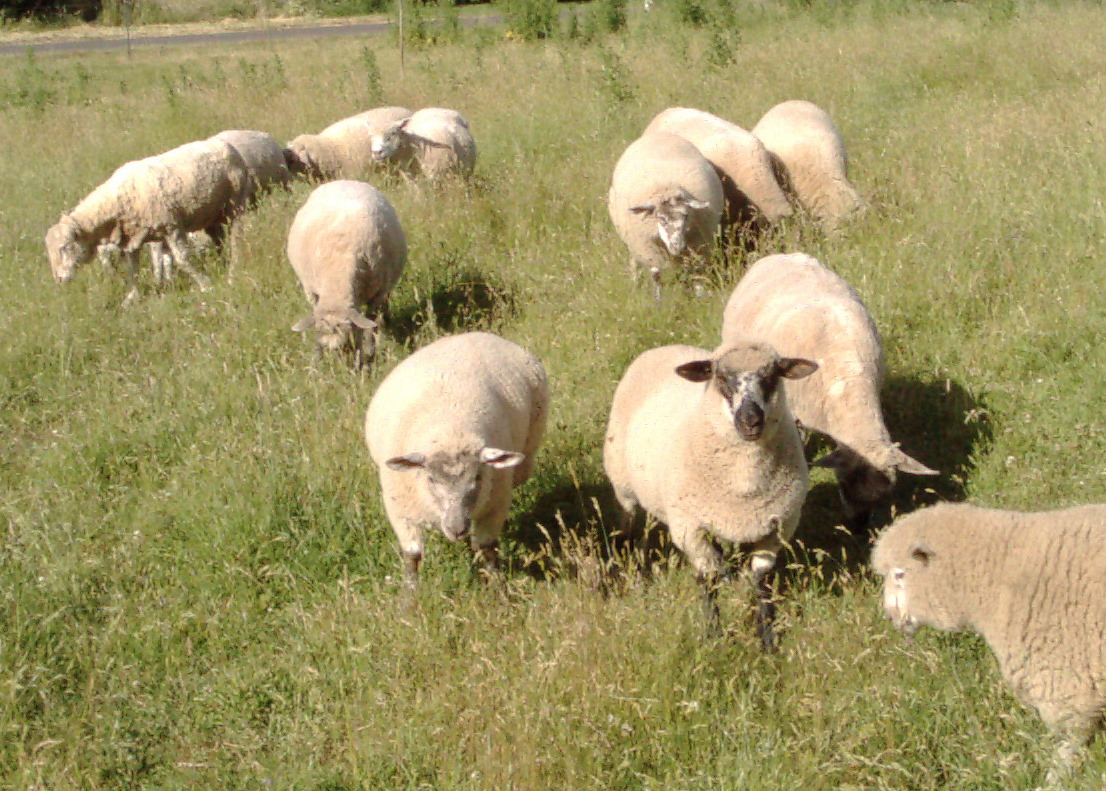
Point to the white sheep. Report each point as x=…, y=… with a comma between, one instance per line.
x=753, y=195
x=433, y=142
x=343, y=149
x=196, y=186
x=453, y=429
x=1031, y=584
x=810, y=160
x=704, y=442
x=803, y=309
x=264, y=157
x=665, y=202
x=348, y=249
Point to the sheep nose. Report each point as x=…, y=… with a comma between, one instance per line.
x=749, y=421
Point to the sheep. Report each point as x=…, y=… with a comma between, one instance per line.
x=264, y=157
x=343, y=149
x=196, y=186
x=665, y=202
x=452, y=430
x=809, y=157
x=434, y=142
x=803, y=309
x=753, y=196
x=348, y=249
x=704, y=442
x=1031, y=584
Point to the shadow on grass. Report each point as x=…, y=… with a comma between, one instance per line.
x=940, y=424
x=460, y=298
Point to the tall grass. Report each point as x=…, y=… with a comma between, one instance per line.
x=197, y=581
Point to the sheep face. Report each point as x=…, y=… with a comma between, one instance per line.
x=671, y=215
x=384, y=145
x=347, y=331
x=67, y=249
x=747, y=378
x=916, y=581
x=456, y=485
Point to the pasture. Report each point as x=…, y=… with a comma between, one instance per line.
x=198, y=587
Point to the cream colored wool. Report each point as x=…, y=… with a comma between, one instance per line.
x=810, y=159
x=433, y=143
x=343, y=149
x=1033, y=585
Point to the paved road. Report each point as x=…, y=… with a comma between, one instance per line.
x=226, y=37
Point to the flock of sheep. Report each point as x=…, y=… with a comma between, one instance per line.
x=708, y=442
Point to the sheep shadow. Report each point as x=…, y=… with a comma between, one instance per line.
x=941, y=424
x=458, y=298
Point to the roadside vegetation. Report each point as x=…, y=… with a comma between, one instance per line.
x=198, y=587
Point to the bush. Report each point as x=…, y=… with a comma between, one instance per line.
x=87, y=10
x=531, y=20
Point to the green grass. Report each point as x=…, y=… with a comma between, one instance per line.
x=198, y=587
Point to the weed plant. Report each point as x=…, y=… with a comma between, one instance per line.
x=198, y=586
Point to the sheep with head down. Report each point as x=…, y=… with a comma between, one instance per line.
x=1032, y=585
x=810, y=160
x=804, y=309
x=452, y=430
x=348, y=249
x=665, y=202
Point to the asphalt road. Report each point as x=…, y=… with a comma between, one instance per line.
x=227, y=37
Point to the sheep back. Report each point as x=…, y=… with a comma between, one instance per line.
x=809, y=154
x=347, y=247
x=743, y=163
x=445, y=143
x=262, y=154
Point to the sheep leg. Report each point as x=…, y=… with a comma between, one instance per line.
x=762, y=565
x=655, y=274
x=131, y=257
x=710, y=583
x=710, y=568
x=487, y=555
x=409, y=596
x=178, y=246
x=1066, y=755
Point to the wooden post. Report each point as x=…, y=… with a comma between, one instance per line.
x=401, y=37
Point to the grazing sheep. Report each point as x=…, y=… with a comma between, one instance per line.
x=704, y=442
x=343, y=149
x=453, y=429
x=810, y=160
x=196, y=186
x=263, y=155
x=433, y=142
x=803, y=309
x=1031, y=584
x=348, y=250
x=754, y=197
x=665, y=202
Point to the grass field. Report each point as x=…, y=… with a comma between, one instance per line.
x=198, y=587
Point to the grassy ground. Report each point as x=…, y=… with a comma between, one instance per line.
x=197, y=583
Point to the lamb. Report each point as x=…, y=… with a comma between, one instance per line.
x=1031, y=584
x=196, y=186
x=810, y=160
x=704, y=442
x=452, y=430
x=348, y=249
x=665, y=202
x=753, y=196
x=803, y=309
x=343, y=149
x=434, y=142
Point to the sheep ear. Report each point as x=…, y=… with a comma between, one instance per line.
x=408, y=462
x=904, y=463
x=696, y=371
x=922, y=554
x=795, y=367
x=833, y=460
x=358, y=319
x=501, y=459
x=643, y=208
x=306, y=323
x=695, y=203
